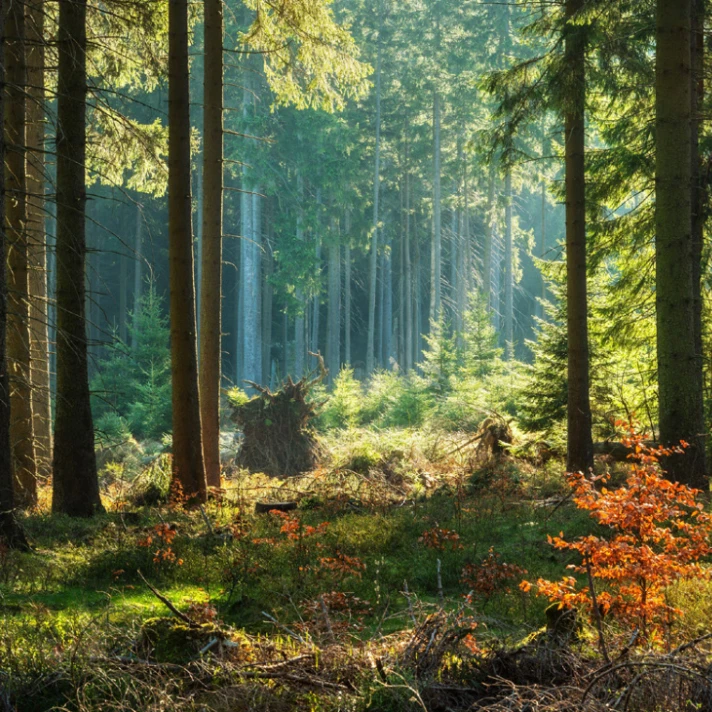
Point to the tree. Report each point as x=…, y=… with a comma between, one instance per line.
x=36, y=237
x=211, y=271
x=373, y=254
x=580, y=444
x=681, y=413
x=188, y=463
x=10, y=532
x=18, y=334
x=75, y=481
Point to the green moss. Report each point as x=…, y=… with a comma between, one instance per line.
x=167, y=640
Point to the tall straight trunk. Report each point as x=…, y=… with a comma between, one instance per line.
x=188, y=463
x=285, y=344
x=347, y=291
x=75, y=481
x=679, y=363
x=542, y=253
x=409, y=291
x=197, y=226
x=138, y=263
x=400, y=348
x=496, y=279
x=699, y=197
x=299, y=324
x=10, y=532
x=380, y=359
x=580, y=445
x=436, y=251
x=333, y=322
x=417, y=291
x=267, y=297
x=251, y=282
x=18, y=316
x=39, y=336
x=488, y=256
x=466, y=245
x=211, y=242
x=387, y=307
x=508, y=268
x=123, y=295
x=454, y=256
x=373, y=255
x=316, y=300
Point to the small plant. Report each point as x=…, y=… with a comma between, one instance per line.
x=491, y=575
x=440, y=539
x=659, y=532
x=162, y=535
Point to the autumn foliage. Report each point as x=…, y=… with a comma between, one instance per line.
x=657, y=534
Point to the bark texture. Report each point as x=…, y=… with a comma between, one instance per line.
x=17, y=255
x=10, y=532
x=211, y=254
x=188, y=464
x=580, y=444
x=37, y=238
x=75, y=481
x=679, y=363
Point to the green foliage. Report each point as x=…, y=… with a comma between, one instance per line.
x=134, y=383
x=343, y=408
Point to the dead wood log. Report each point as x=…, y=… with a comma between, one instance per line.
x=265, y=507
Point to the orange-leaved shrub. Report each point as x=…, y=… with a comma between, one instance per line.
x=658, y=532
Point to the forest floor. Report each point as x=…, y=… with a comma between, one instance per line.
x=393, y=585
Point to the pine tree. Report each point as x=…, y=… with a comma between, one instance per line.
x=188, y=463
x=212, y=216
x=75, y=481
x=679, y=363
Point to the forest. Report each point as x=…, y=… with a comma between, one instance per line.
x=355, y=355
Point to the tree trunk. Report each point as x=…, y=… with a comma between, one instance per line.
x=387, y=307
x=252, y=257
x=18, y=315
x=138, y=265
x=211, y=243
x=299, y=325
x=542, y=308
x=333, y=337
x=508, y=268
x=39, y=336
x=436, y=252
x=188, y=463
x=373, y=255
x=75, y=481
x=699, y=195
x=679, y=364
x=10, y=532
x=488, y=252
x=347, y=291
x=409, y=345
x=316, y=300
x=123, y=294
x=267, y=298
x=580, y=445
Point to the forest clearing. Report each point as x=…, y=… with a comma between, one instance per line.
x=355, y=356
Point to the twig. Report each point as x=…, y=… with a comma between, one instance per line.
x=597, y=612
x=294, y=635
x=206, y=519
x=167, y=603
x=441, y=596
x=325, y=611
x=410, y=603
